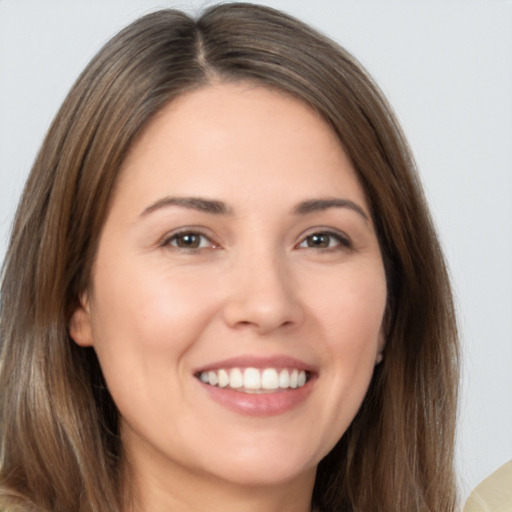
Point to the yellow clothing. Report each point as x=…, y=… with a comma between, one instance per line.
x=494, y=494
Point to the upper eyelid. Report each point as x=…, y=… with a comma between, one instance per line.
x=204, y=232
x=326, y=231
x=165, y=239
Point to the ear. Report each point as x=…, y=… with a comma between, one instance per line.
x=380, y=347
x=80, y=328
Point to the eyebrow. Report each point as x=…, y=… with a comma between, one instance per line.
x=192, y=203
x=316, y=205
x=220, y=208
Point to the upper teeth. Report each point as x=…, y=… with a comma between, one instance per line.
x=254, y=379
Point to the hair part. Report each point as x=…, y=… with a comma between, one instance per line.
x=60, y=446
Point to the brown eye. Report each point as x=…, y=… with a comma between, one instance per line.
x=324, y=240
x=319, y=240
x=189, y=240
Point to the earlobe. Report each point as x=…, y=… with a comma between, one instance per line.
x=380, y=348
x=80, y=328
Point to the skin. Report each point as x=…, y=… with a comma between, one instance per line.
x=256, y=286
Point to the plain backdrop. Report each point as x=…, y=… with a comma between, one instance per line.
x=445, y=65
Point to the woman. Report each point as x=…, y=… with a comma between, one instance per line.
x=223, y=288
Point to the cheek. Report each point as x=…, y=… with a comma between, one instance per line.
x=144, y=327
x=151, y=307
x=350, y=324
x=350, y=309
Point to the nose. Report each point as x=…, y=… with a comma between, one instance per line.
x=262, y=295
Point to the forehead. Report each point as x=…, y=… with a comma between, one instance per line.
x=241, y=135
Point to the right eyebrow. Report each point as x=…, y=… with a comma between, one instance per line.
x=193, y=203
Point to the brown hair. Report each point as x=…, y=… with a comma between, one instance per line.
x=60, y=449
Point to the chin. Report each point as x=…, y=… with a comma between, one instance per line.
x=267, y=474
x=262, y=467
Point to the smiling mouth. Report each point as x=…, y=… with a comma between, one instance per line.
x=254, y=380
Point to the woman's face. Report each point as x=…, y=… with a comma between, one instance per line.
x=238, y=292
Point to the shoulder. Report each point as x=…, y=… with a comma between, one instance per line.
x=494, y=494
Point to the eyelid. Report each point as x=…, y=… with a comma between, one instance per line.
x=166, y=240
x=343, y=239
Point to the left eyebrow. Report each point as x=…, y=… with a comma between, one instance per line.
x=316, y=205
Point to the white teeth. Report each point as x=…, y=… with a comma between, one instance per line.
x=255, y=380
x=252, y=378
x=284, y=379
x=236, y=379
x=223, y=378
x=269, y=379
x=213, y=379
x=293, y=379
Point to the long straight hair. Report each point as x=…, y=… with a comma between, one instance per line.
x=60, y=446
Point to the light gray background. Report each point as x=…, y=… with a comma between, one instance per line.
x=445, y=65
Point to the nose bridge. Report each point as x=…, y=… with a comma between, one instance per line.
x=261, y=292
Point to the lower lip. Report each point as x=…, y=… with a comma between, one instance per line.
x=264, y=404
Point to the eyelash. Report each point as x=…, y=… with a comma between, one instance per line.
x=170, y=240
x=204, y=242
x=342, y=241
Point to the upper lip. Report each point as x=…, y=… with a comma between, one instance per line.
x=259, y=362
